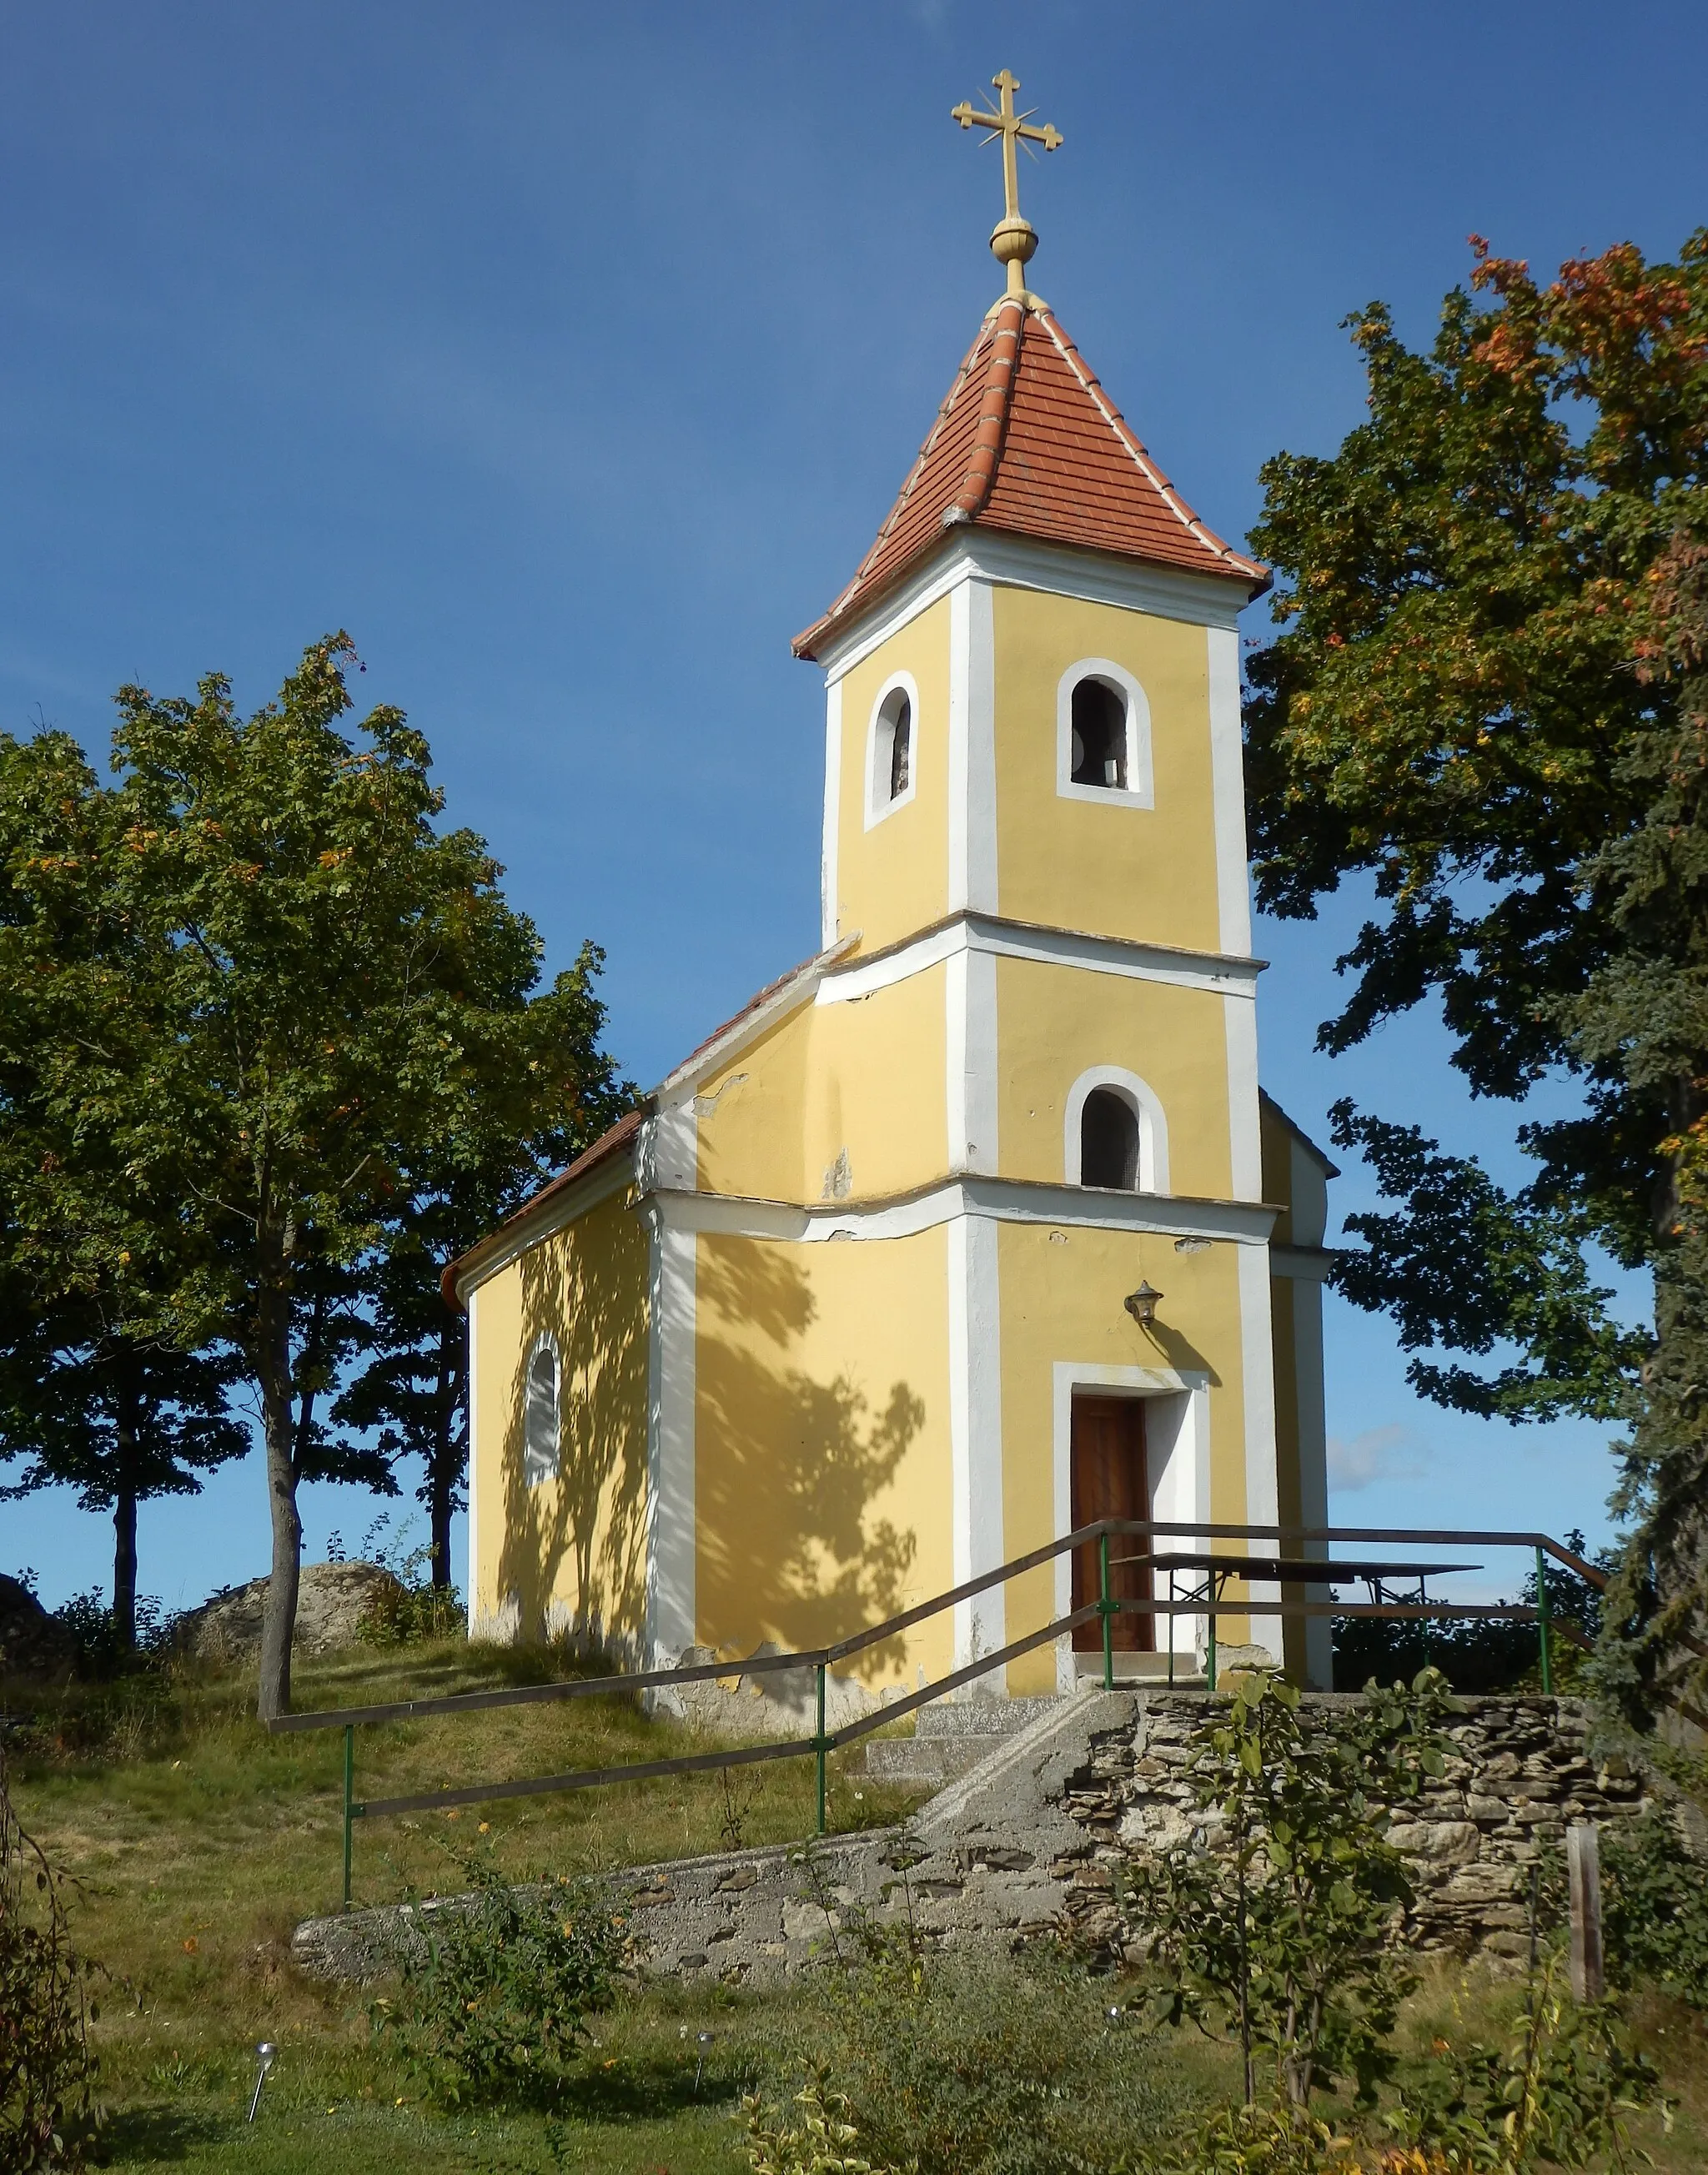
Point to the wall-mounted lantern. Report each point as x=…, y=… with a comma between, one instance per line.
x=1142, y=1303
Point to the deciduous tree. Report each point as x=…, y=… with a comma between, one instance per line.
x=1482, y=703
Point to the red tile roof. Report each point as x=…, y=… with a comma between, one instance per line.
x=1028, y=441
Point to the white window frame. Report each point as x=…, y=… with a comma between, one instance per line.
x=534, y=1471
x=1146, y=1105
x=1139, y=790
x=879, y=750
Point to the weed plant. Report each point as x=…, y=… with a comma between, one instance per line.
x=47, y=2074
x=495, y=1991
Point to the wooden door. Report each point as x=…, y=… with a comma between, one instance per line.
x=1109, y=1482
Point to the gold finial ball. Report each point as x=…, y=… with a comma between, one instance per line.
x=1014, y=241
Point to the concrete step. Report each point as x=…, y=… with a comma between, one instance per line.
x=1132, y=1668
x=951, y=1736
x=982, y=1718
x=926, y=1759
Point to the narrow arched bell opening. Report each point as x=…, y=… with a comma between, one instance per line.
x=1109, y=1142
x=1099, y=719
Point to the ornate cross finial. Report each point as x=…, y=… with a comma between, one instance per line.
x=1014, y=240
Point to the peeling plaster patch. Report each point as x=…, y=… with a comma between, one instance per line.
x=706, y=1106
x=838, y=1179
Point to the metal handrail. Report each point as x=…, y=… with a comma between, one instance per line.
x=820, y=1659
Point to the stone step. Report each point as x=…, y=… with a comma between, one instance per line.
x=982, y=1718
x=926, y=1759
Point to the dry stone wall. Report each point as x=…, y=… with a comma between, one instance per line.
x=1032, y=1840
x=1519, y=1770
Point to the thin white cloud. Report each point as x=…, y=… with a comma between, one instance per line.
x=1378, y=1453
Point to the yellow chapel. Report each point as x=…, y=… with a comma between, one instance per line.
x=976, y=1226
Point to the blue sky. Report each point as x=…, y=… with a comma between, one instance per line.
x=569, y=356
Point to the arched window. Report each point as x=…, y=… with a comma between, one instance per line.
x=1099, y=724
x=1115, y=1133
x=891, y=759
x=1102, y=734
x=540, y=1422
x=1108, y=1141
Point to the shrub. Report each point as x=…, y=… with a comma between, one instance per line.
x=494, y=1995
x=1654, y=1908
x=47, y=2074
x=1269, y=1920
x=814, y=2142
x=981, y=2065
x=1555, y=2096
x=402, y=1616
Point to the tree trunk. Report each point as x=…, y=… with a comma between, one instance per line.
x=124, y=1566
x=124, y=1508
x=279, y=1615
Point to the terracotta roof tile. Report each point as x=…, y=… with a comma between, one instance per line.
x=1028, y=442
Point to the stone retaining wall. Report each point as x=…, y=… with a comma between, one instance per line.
x=1030, y=1840
x=1520, y=1769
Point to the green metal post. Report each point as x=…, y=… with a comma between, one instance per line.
x=1541, y=1625
x=1107, y=1608
x=819, y=1742
x=349, y=1802
x=1210, y=1647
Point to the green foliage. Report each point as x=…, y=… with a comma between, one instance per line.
x=1556, y=2095
x=811, y=2136
x=493, y=1999
x=1488, y=701
x=48, y=2115
x=1269, y=1922
x=1477, y=1656
x=258, y=1014
x=1654, y=1908
x=979, y=2064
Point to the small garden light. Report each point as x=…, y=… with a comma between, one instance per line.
x=266, y=2054
x=704, y=2042
x=1142, y=1303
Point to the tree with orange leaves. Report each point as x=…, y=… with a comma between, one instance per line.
x=1488, y=700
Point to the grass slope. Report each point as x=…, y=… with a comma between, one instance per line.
x=198, y=1842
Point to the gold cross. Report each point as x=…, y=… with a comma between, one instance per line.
x=1014, y=240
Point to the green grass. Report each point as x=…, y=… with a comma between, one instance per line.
x=198, y=1842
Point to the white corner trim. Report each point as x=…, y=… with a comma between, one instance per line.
x=878, y=801
x=476, y=1617
x=1244, y=1112
x=969, y=998
x=667, y=1150
x=1228, y=788
x=1257, y=1389
x=670, y=1480
x=975, y=1430
x=829, y=908
x=1139, y=792
x=1177, y=1457
x=960, y=662
x=982, y=874
x=1146, y=1105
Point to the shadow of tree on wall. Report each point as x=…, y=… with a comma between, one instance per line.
x=788, y=1470
x=573, y=1553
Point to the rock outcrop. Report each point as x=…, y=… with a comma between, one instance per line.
x=32, y=1643
x=333, y=1600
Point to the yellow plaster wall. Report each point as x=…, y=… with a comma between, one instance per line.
x=894, y=878
x=1055, y=1023
x=1062, y=1289
x=572, y=1550
x=821, y=1444
x=1134, y=872
x=864, y=1079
